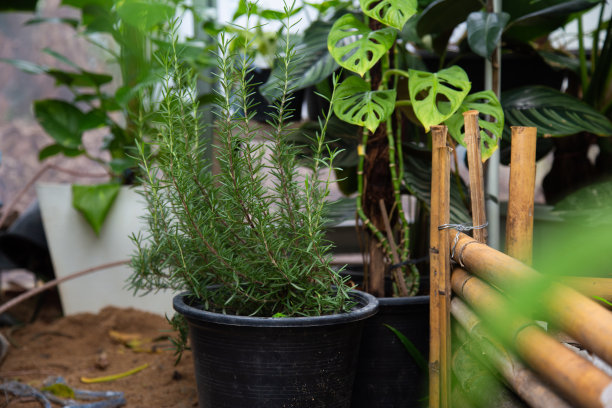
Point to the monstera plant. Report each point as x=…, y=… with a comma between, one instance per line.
x=386, y=101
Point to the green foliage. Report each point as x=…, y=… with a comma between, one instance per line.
x=486, y=103
x=94, y=202
x=393, y=13
x=437, y=96
x=355, y=47
x=484, y=31
x=356, y=104
x=255, y=229
x=552, y=112
x=410, y=348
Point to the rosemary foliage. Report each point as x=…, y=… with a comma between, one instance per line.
x=247, y=239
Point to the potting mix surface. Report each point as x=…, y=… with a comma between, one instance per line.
x=86, y=347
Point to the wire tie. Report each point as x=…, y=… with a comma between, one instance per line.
x=460, y=228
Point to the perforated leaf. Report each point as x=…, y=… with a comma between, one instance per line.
x=355, y=103
x=393, y=13
x=436, y=96
x=552, y=112
x=487, y=104
x=355, y=47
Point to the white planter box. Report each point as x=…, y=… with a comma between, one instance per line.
x=75, y=247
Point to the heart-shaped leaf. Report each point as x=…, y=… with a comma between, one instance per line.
x=94, y=202
x=393, y=13
x=552, y=112
x=356, y=103
x=437, y=96
x=65, y=122
x=487, y=104
x=484, y=31
x=355, y=47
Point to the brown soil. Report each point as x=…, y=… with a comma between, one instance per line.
x=72, y=346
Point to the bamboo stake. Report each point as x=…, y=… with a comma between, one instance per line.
x=472, y=140
x=601, y=287
x=582, y=318
x=522, y=380
x=519, y=222
x=580, y=381
x=439, y=345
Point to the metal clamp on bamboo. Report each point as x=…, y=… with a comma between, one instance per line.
x=582, y=318
x=578, y=380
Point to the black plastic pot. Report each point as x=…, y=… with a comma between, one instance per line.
x=255, y=362
x=388, y=376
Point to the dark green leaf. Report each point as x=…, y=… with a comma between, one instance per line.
x=393, y=13
x=55, y=149
x=74, y=23
x=552, y=112
x=355, y=47
x=94, y=202
x=441, y=17
x=63, y=121
x=411, y=349
x=534, y=19
x=591, y=204
x=484, y=31
x=355, y=103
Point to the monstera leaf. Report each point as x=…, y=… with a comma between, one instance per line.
x=355, y=47
x=484, y=31
x=437, y=96
x=552, y=112
x=357, y=104
x=393, y=13
x=487, y=104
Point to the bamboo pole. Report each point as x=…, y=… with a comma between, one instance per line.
x=472, y=140
x=582, y=318
x=580, y=381
x=439, y=343
x=519, y=222
x=601, y=287
x=521, y=379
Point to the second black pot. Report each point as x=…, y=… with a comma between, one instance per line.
x=388, y=376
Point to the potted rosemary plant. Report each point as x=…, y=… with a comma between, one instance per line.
x=271, y=323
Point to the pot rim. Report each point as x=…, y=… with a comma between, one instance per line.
x=367, y=306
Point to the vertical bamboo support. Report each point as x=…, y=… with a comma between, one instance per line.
x=519, y=222
x=440, y=290
x=472, y=140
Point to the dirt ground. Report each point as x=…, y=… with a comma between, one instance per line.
x=93, y=345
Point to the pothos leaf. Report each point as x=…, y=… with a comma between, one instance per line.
x=393, y=13
x=355, y=47
x=487, y=104
x=357, y=104
x=94, y=202
x=437, y=96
